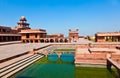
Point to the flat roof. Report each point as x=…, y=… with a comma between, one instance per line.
x=10, y=35
x=108, y=33
x=33, y=31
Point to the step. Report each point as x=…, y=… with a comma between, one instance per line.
x=9, y=62
x=16, y=63
x=20, y=65
x=20, y=68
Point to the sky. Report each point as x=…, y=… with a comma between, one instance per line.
x=58, y=16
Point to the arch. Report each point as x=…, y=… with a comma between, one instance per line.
x=27, y=41
x=23, y=41
x=61, y=40
x=36, y=41
x=42, y=40
x=46, y=40
x=66, y=40
x=31, y=41
x=51, y=40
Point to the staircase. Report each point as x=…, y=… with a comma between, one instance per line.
x=8, y=70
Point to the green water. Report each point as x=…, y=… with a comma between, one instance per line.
x=46, y=68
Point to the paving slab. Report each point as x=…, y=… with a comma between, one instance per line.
x=7, y=51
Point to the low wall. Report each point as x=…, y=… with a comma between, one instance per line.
x=90, y=58
x=98, y=45
x=116, y=57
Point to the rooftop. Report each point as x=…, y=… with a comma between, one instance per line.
x=33, y=31
x=108, y=33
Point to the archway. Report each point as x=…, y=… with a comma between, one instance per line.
x=51, y=40
x=36, y=41
x=61, y=40
x=66, y=40
x=23, y=41
x=42, y=40
x=31, y=41
x=27, y=41
x=46, y=40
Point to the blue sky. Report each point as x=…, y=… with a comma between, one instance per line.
x=57, y=16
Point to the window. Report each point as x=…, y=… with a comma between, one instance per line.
x=27, y=35
x=4, y=30
x=36, y=35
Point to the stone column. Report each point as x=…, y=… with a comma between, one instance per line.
x=38, y=40
x=6, y=38
x=116, y=39
x=108, y=65
x=118, y=70
x=34, y=41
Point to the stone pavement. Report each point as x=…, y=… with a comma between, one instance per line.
x=7, y=51
x=13, y=60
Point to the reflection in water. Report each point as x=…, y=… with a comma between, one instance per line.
x=64, y=57
x=67, y=57
x=52, y=57
x=59, y=68
x=48, y=71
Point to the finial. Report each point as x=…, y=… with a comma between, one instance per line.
x=23, y=18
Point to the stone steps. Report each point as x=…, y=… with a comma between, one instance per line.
x=15, y=63
x=8, y=71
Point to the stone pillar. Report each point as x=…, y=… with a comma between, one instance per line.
x=10, y=38
x=38, y=40
x=118, y=70
x=116, y=39
x=108, y=65
x=33, y=41
x=25, y=41
x=6, y=38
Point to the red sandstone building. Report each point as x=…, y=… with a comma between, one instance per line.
x=73, y=35
x=107, y=37
x=22, y=25
x=8, y=34
x=27, y=35
x=40, y=35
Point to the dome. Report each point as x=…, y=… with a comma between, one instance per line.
x=23, y=18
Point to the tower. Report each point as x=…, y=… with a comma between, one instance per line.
x=22, y=24
x=73, y=35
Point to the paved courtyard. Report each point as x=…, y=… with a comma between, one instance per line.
x=15, y=49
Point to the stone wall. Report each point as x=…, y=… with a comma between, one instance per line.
x=90, y=59
x=98, y=45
